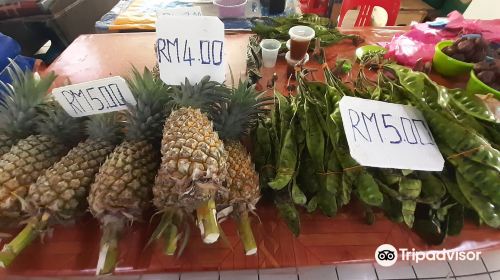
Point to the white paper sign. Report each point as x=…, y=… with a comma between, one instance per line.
x=94, y=97
x=389, y=135
x=181, y=11
x=191, y=47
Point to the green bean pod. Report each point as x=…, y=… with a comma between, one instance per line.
x=368, y=189
x=410, y=190
x=287, y=162
x=433, y=189
x=489, y=212
x=461, y=140
x=483, y=176
x=315, y=140
x=333, y=176
x=472, y=105
x=298, y=196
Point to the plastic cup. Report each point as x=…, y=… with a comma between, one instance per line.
x=231, y=8
x=290, y=70
x=270, y=48
x=300, y=37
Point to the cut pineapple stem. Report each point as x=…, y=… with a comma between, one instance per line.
x=171, y=238
x=207, y=221
x=108, y=254
x=11, y=250
x=246, y=234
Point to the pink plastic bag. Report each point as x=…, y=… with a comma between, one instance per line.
x=419, y=42
x=488, y=28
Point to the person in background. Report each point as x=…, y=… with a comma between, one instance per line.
x=10, y=49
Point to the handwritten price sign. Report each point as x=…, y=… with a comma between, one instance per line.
x=389, y=135
x=95, y=97
x=190, y=47
x=181, y=11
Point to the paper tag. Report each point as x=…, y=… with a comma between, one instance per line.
x=190, y=47
x=95, y=97
x=181, y=11
x=389, y=135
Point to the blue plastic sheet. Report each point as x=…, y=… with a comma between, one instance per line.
x=9, y=48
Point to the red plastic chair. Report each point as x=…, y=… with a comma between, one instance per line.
x=319, y=7
x=366, y=9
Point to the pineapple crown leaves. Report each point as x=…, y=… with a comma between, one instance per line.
x=22, y=100
x=241, y=112
x=55, y=122
x=105, y=127
x=206, y=95
x=144, y=121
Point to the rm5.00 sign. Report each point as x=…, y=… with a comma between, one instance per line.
x=389, y=135
x=190, y=47
x=95, y=97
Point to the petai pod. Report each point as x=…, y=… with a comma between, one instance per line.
x=286, y=163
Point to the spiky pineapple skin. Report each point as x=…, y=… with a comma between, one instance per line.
x=123, y=184
x=6, y=143
x=192, y=154
x=62, y=189
x=22, y=165
x=242, y=180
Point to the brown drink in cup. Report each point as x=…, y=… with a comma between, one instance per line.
x=300, y=37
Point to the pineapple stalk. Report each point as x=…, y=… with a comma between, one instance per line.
x=121, y=190
x=11, y=250
x=239, y=116
x=207, y=221
x=193, y=161
x=59, y=193
x=108, y=254
x=246, y=234
x=32, y=156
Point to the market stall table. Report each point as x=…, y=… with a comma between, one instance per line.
x=73, y=250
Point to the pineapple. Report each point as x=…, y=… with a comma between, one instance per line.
x=19, y=109
x=237, y=118
x=122, y=188
x=58, y=194
x=30, y=157
x=193, y=164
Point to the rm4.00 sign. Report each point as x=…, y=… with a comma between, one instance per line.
x=206, y=52
x=389, y=135
x=190, y=47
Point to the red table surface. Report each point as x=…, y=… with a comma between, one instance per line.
x=73, y=250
